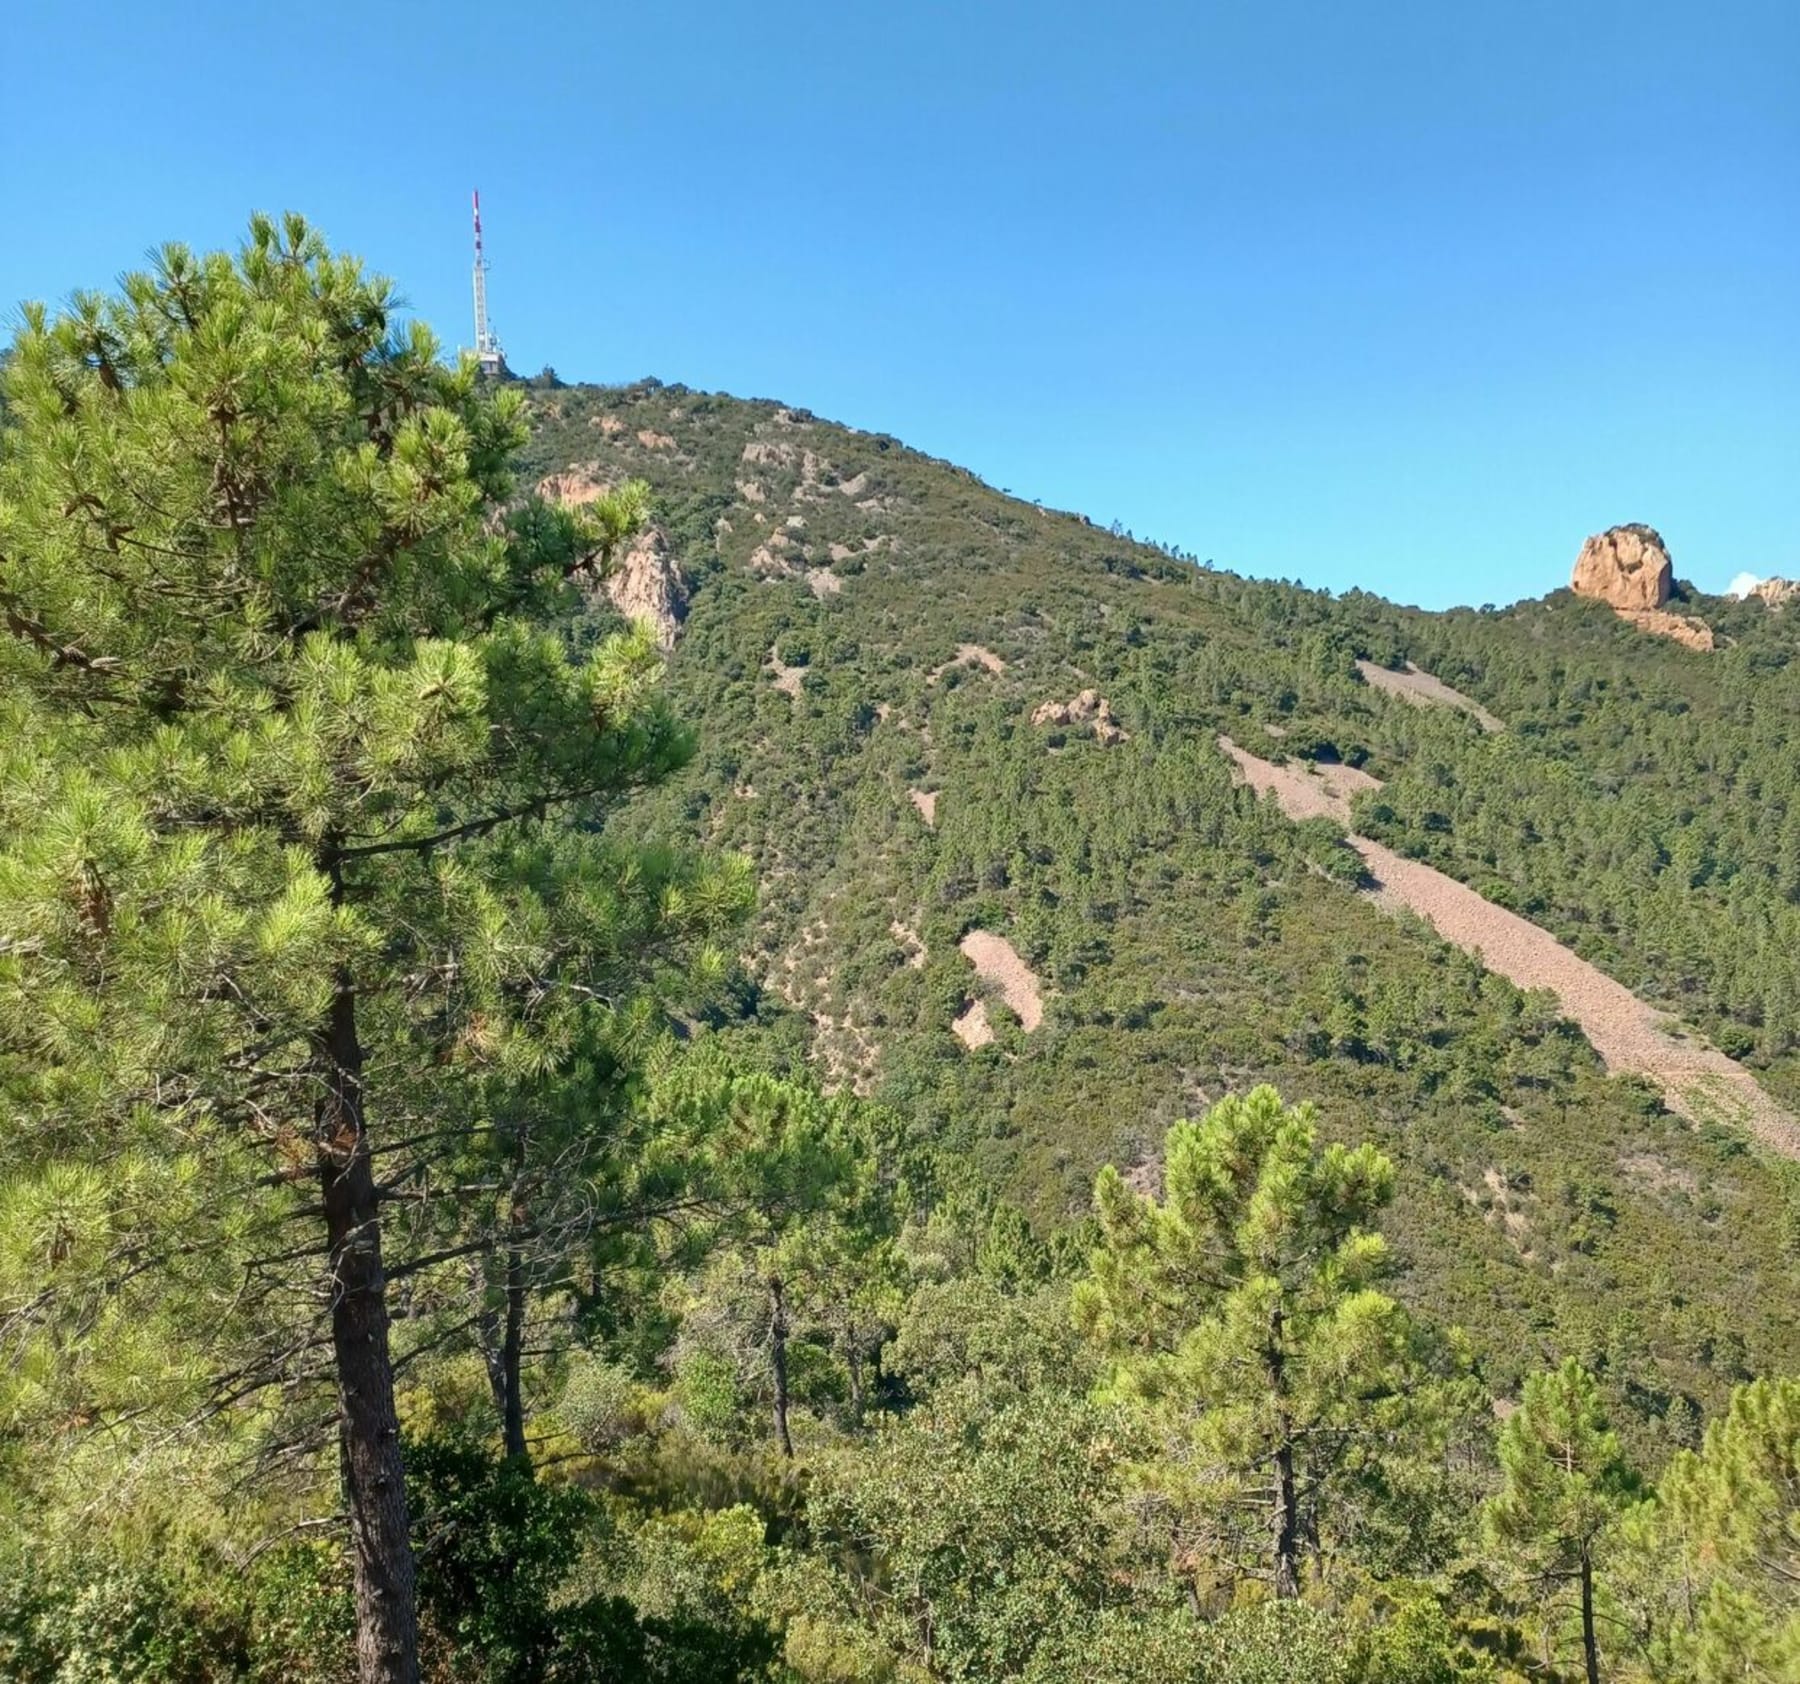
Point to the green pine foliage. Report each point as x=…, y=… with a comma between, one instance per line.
x=475, y=1072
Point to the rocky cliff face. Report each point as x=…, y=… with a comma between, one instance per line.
x=1683, y=628
x=1777, y=593
x=646, y=581
x=1625, y=567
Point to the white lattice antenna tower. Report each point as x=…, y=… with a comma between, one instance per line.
x=487, y=348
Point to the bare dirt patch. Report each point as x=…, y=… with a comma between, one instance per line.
x=926, y=801
x=910, y=944
x=822, y=582
x=995, y=961
x=1657, y=1175
x=1423, y=690
x=972, y=1027
x=1304, y=792
x=787, y=679
x=1698, y=1081
x=768, y=559
x=968, y=655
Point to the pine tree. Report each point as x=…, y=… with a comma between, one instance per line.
x=1565, y=1486
x=1719, y=1548
x=782, y=1169
x=1241, y=1314
x=280, y=731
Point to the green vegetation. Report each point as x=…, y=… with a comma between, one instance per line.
x=489, y=1187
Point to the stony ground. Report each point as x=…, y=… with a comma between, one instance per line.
x=1423, y=690
x=1698, y=1081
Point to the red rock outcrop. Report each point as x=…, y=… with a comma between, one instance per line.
x=1777, y=593
x=1625, y=567
x=1683, y=628
x=579, y=485
x=1089, y=708
x=646, y=583
x=1628, y=568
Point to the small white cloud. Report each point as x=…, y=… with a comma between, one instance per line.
x=1742, y=585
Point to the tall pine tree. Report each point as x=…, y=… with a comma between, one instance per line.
x=1242, y=1316
x=280, y=720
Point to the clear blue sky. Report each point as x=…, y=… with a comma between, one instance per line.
x=1410, y=294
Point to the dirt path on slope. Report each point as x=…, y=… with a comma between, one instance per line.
x=1423, y=690
x=1697, y=1080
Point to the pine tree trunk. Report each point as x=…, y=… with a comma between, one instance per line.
x=490, y=1336
x=387, y=1636
x=512, y=1414
x=1284, y=1522
x=854, y=1362
x=1590, y=1648
x=778, y=1337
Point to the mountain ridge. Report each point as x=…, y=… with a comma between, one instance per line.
x=869, y=742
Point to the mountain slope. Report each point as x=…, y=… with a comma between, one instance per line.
x=1697, y=1081
x=869, y=638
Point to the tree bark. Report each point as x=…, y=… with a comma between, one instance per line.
x=854, y=1362
x=387, y=1633
x=512, y=1414
x=489, y=1335
x=1590, y=1647
x=778, y=1338
x=1284, y=1522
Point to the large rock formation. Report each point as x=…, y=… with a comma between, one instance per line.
x=1777, y=593
x=1683, y=628
x=1628, y=568
x=1625, y=567
x=581, y=484
x=1089, y=708
x=646, y=581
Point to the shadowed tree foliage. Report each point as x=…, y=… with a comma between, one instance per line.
x=1718, y=1551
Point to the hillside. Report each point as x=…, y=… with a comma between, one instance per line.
x=930, y=712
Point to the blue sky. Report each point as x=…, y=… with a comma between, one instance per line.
x=1406, y=294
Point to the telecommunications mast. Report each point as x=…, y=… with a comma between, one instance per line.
x=487, y=348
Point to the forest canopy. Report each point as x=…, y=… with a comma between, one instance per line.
x=489, y=1187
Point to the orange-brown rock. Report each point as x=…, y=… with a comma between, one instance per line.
x=1626, y=567
x=1089, y=708
x=1683, y=628
x=579, y=485
x=1777, y=593
x=646, y=583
